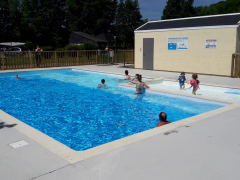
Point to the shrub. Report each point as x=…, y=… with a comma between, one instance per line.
x=90, y=46
x=60, y=49
x=72, y=47
x=47, y=48
x=29, y=45
x=82, y=47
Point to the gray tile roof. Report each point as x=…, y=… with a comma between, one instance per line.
x=226, y=19
x=90, y=37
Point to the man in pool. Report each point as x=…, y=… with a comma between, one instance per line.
x=163, y=119
x=103, y=83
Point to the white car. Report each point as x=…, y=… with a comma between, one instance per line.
x=13, y=51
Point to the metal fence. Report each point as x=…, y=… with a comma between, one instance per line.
x=235, y=70
x=32, y=59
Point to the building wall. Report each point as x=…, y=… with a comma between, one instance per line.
x=197, y=59
x=238, y=40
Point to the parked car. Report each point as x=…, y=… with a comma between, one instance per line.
x=13, y=51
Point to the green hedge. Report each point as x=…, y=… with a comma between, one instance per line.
x=60, y=49
x=90, y=46
x=72, y=47
x=47, y=48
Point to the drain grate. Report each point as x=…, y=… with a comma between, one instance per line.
x=18, y=144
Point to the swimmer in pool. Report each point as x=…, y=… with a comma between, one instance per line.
x=136, y=77
x=18, y=77
x=163, y=119
x=140, y=86
x=126, y=78
x=103, y=83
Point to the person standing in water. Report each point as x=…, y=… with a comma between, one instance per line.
x=103, y=83
x=182, y=80
x=140, y=86
x=194, y=83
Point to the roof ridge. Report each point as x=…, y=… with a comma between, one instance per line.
x=88, y=36
x=195, y=17
x=213, y=20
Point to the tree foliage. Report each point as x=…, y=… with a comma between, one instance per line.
x=4, y=20
x=222, y=7
x=178, y=9
x=184, y=8
x=128, y=18
x=46, y=21
x=50, y=22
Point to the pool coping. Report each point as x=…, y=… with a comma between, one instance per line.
x=73, y=156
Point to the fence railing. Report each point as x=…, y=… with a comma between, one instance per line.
x=235, y=69
x=32, y=59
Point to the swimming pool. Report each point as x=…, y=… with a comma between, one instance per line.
x=210, y=91
x=67, y=106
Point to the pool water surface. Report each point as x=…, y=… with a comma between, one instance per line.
x=67, y=106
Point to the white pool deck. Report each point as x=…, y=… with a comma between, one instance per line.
x=204, y=149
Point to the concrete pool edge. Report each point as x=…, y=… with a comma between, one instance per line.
x=72, y=156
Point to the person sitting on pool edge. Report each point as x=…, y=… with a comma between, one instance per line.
x=163, y=119
x=103, y=83
x=140, y=86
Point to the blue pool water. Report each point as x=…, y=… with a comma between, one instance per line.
x=67, y=106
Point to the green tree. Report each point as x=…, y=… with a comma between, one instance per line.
x=46, y=21
x=128, y=18
x=178, y=9
x=19, y=25
x=75, y=15
x=4, y=20
x=222, y=7
x=92, y=17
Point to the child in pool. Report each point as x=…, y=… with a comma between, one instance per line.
x=103, y=83
x=194, y=83
x=126, y=78
x=182, y=80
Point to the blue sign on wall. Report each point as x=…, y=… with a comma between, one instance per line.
x=178, y=43
x=172, y=46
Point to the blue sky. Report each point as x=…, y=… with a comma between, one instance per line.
x=152, y=9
